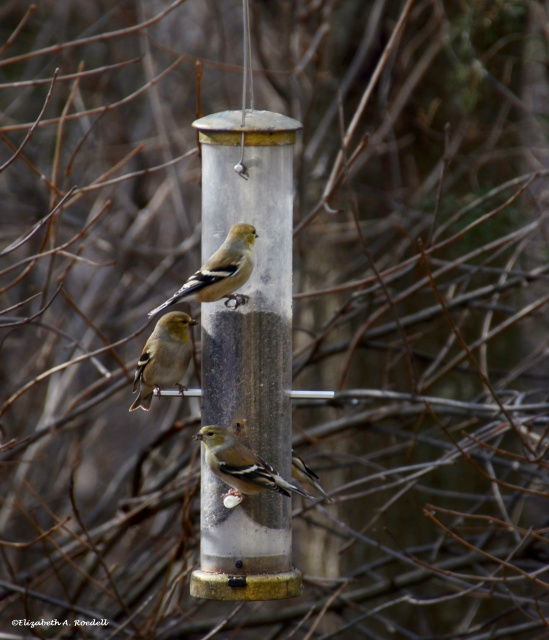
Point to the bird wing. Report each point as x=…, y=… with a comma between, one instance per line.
x=204, y=277
x=140, y=368
x=301, y=466
x=259, y=473
x=283, y=485
x=303, y=473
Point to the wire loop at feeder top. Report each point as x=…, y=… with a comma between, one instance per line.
x=261, y=128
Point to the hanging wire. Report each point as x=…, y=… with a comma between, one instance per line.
x=248, y=47
x=247, y=76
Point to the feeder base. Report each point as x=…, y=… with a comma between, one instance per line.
x=264, y=586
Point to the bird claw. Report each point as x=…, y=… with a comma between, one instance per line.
x=233, y=492
x=181, y=389
x=237, y=298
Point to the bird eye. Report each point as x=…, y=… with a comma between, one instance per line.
x=209, y=433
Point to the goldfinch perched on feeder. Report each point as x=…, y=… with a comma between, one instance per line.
x=244, y=471
x=226, y=271
x=165, y=357
x=303, y=473
x=300, y=471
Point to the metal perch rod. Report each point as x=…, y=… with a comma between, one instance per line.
x=297, y=395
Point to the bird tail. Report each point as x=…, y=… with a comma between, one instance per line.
x=143, y=402
x=168, y=303
x=317, y=486
x=288, y=486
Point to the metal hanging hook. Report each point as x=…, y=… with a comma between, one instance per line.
x=247, y=74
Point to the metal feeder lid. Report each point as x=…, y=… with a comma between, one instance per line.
x=256, y=121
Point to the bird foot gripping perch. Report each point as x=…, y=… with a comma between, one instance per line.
x=238, y=299
x=181, y=388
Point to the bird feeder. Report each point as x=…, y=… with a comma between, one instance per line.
x=246, y=551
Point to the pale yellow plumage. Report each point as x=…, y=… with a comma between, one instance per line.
x=165, y=357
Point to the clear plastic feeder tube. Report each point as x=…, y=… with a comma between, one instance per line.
x=246, y=354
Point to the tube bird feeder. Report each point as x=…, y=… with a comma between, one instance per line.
x=246, y=551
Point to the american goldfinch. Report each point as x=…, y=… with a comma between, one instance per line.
x=303, y=473
x=165, y=357
x=226, y=271
x=239, y=466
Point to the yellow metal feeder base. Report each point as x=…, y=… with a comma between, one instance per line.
x=267, y=586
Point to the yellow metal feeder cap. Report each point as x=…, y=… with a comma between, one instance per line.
x=261, y=128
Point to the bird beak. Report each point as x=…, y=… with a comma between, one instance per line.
x=198, y=436
x=193, y=322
